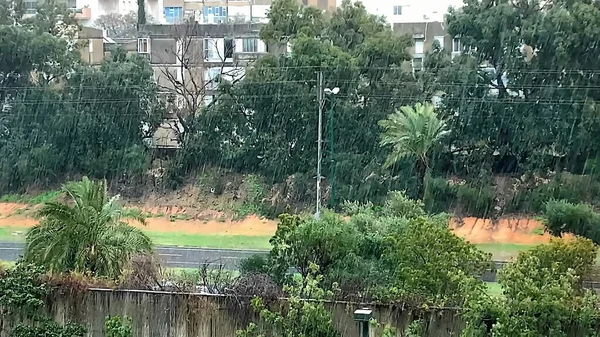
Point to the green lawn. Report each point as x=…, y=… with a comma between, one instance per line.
x=210, y=241
x=17, y=234
x=503, y=252
x=12, y=234
x=494, y=289
x=499, y=251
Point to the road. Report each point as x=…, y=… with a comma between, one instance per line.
x=174, y=257
x=187, y=257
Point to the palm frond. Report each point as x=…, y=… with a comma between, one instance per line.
x=412, y=132
x=87, y=234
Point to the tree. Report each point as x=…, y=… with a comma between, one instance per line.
x=302, y=242
x=580, y=219
x=512, y=108
x=542, y=295
x=87, y=235
x=92, y=121
x=267, y=120
x=430, y=264
x=304, y=316
x=141, y=13
x=413, y=132
x=119, y=25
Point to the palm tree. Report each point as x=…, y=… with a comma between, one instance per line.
x=87, y=234
x=413, y=132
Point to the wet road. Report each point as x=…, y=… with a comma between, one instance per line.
x=171, y=256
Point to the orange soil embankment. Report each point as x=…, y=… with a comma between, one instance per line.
x=477, y=231
x=209, y=223
x=509, y=230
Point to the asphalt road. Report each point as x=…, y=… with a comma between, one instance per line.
x=187, y=257
x=175, y=257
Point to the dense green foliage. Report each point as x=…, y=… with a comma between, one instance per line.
x=508, y=111
x=511, y=110
x=86, y=235
x=542, y=296
x=22, y=293
x=61, y=117
x=301, y=318
x=118, y=326
x=396, y=253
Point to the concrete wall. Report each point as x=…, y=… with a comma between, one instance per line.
x=161, y=314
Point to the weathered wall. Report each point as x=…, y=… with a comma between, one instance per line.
x=161, y=314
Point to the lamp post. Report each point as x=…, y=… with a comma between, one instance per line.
x=363, y=317
x=321, y=92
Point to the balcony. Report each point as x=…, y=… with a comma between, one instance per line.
x=244, y=57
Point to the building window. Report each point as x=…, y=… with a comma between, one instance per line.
x=215, y=14
x=209, y=49
x=31, y=7
x=71, y=4
x=250, y=45
x=417, y=64
x=419, y=46
x=440, y=40
x=456, y=47
x=211, y=78
x=229, y=48
x=143, y=45
x=397, y=10
x=173, y=14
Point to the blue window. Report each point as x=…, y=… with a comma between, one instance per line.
x=174, y=14
x=218, y=13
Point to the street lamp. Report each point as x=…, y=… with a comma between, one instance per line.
x=326, y=91
x=363, y=317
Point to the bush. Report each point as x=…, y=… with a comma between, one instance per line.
x=398, y=204
x=475, y=201
x=579, y=219
x=564, y=186
x=254, y=264
x=467, y=199
x=439, y=196
x=118, y=326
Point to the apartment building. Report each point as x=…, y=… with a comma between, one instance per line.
x=82, y=13
x=189, y=58
x=409, y=11
x=92, y=47
x=226, y=11
x=424, y=34
x=178, y=11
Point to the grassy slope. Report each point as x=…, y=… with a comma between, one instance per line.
x=11, y=234
x=17, y=234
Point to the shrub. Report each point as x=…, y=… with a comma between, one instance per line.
x=398, y=204
x=579, y=219
x=475, y=201
x=256, y=263
x=118, y=326
x=467, y=199
x=564, y=186
x=439, y=196
x=542, y=295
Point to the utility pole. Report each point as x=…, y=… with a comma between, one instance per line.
x=330, y=132
x=321, y=102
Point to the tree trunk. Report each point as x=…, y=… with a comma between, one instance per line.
x=421, y=171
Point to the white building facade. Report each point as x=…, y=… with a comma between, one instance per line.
x=403, y=11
